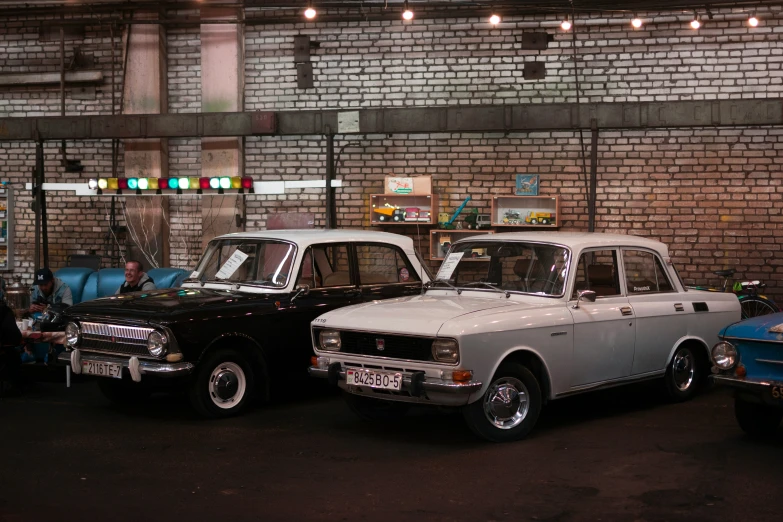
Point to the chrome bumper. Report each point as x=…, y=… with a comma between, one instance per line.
x=742, y=384
x=414, y=384
x=135, y=366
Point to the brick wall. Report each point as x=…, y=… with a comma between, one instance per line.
x=712, y=194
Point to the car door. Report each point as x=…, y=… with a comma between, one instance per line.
x=661, y=318
x=384, y=272
x=327, y=271
x=604, y=333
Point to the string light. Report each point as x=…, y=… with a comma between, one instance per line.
x=494, y=19
x=565, y=25
x=753, y=21
x=407, y=14
x=636, y=22
x=695, y=23
x=310, y=12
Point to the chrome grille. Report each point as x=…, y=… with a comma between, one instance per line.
x=112, y=338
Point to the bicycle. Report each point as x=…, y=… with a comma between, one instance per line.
x=752, y=304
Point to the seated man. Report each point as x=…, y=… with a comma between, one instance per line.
x=135, y=279
x=48, y=290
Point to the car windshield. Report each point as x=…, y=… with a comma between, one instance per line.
x=252, y=261
x=526, y=267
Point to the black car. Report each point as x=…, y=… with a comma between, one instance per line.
x=241, y=319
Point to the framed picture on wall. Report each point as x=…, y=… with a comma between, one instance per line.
x=527, y=185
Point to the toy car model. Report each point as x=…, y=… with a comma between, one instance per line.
x=445, y=244
x=749, y=360
x=390, y=214
x=534, y=218
x=512, y=217
x=412, y=214
x=476, y=221
x=599, y=310
x=242, y=319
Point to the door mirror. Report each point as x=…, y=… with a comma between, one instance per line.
x=587, y=295
x=299, y=291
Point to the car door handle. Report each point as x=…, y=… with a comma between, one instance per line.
x=626, y=310
x=352, y=293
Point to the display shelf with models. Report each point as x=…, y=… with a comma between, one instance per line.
x=403, y=209
x=526, y=211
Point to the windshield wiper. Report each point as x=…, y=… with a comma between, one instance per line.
x=431, y=283
x=488, y=285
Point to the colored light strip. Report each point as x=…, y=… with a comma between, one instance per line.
x=179, y=184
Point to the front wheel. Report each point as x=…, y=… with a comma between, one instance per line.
x=753, y=306
x=758, y=420
x=684, y=374
x=222, y=384
x=375, y=410
x=510, y=407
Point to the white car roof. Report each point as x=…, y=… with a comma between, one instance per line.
x=306, y=237
x=576, y=240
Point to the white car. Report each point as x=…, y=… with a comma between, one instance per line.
x=548, y=315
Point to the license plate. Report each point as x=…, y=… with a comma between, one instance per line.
x=374, y=379
x=102, y=369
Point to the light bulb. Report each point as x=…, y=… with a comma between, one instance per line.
x=565, y=25
x=310, y=13
x=753, y=21
x=636, y=23
x=695, y=24
x=407, y=14
x=494, y=19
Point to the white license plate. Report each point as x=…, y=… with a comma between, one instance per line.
x=374, y=379
x=102, y=369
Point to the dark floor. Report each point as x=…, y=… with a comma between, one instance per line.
x=622, y=454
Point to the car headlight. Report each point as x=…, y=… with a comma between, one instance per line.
x=445, y=350
x=329, y=340
x=157, y=344
x=72, y=335
x=724, y=355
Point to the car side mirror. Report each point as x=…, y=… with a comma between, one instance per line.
x=587, y=295
x=300, y=290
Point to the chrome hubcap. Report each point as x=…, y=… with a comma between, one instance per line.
x=227, y=385
x=506, y=403
x=683, y=369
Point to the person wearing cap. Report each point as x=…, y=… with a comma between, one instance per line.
x=48, y=290
x=135, y=279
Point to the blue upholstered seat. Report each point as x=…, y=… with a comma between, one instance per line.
x=87, y=284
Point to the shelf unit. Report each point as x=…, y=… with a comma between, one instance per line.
x=439, y=237
x=526, y=211
x=403, y=209
x=6, y=229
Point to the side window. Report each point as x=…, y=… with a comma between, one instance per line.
x=597, y=271
x=380, y=264
x=644, y=273
x=325, y=266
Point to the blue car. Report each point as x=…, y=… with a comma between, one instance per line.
x=749, y=359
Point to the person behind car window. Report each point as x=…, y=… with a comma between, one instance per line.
x=135, y=279
x=48, y=290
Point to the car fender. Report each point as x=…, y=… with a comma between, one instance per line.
x=517, y=351
x=227, y=335
x=685, y=339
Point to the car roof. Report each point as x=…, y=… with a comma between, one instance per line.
x=305, y=237
x=575, y=240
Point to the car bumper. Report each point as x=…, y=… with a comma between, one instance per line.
x=750, y=390
x=136, y=367
x=416, y=387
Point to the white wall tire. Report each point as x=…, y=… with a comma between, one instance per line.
x=222, y=384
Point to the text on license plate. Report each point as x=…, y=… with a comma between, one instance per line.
x=777, y=391
x=102, y=369
x=374, y=379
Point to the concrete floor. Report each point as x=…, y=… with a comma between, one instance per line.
x=622, y=454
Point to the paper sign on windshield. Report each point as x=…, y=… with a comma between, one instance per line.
x=231, y=265
x=448, y=266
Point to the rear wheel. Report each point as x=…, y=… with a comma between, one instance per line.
x=754, y=306
x=509, y=409
x=758, y=420
x=684, y=374
x=375, y=410
x=222, y=384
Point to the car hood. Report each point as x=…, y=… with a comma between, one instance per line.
x=757, y=328
x=162, y=304
x=416, y=315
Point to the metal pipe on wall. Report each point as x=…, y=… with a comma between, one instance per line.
x=331, y=214
x=591, y=200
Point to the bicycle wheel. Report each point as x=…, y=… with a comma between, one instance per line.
x=753, y=306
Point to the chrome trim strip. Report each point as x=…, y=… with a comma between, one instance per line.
x=136, y=333
x=431, y=385
x=121, y=354
x=734, y=382
x=616, y=382
x=161, y=369
x=750, y=340
x=770, y=361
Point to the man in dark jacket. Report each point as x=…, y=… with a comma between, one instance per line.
x=135, y=279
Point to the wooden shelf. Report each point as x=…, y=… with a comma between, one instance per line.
x=403, y=209
x=439, y=237
x=526, y=211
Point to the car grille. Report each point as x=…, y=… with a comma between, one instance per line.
x=394, y=346
x=125, y=340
